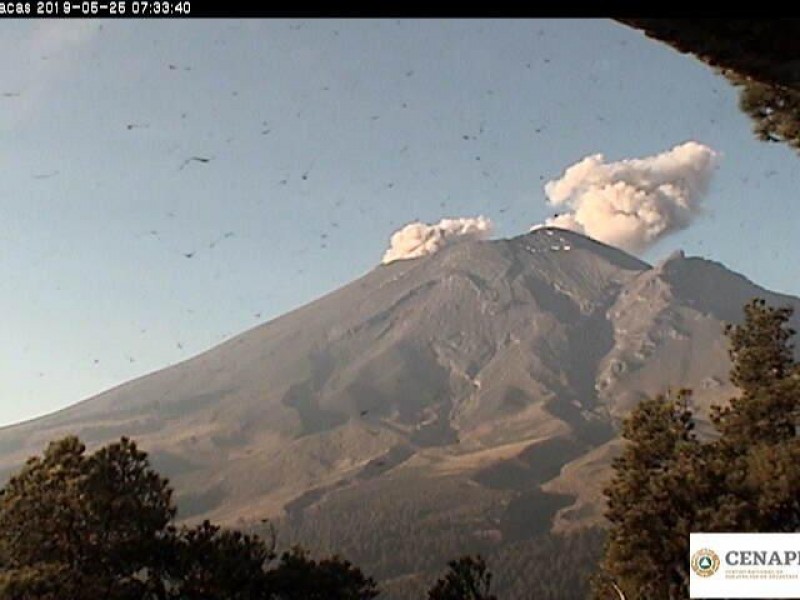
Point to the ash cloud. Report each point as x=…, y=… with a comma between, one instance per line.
x=420, y=239
x=633, y=203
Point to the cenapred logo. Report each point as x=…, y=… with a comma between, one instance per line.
x=705, y=562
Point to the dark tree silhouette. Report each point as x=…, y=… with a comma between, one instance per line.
x=80, y=526
x=100, y=526
x=668, y=483
x=760, y=56
x=298, y=577
x=467, y=578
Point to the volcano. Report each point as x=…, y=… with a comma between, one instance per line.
x=470, y=399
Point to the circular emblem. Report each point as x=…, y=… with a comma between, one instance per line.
x=705, y=562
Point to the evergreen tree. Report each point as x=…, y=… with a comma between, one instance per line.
x=298, y=577
x=99, y=526
x=763, y=369
x=467, y=578
x=775, y=110
x=649, y=505
x=667, y=483
x=211, y=562
x=82, y=526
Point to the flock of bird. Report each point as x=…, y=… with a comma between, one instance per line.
x=191, y=162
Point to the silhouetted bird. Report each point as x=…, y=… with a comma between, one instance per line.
x=228, y=235
x=200, y=159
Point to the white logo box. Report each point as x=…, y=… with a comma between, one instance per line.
x=751, y=565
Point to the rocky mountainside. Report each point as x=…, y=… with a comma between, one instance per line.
x=468, y=399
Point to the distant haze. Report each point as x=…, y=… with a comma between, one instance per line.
x=633, y=203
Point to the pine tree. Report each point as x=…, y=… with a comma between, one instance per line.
x=298, y=577
x=211, y=562
x=649, y=505
x=100, y=527
x=764, y=370
x=467, y=578
x=667, y=484
x=80, y=526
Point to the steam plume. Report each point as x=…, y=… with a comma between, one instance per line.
x=633, y=203
x=420, y=239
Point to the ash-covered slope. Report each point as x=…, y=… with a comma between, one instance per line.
x=465, y=348
x=474, y=391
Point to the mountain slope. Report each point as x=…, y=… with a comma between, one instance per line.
x=475, y=392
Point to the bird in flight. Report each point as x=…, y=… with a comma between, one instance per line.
x=227, y=235
x=200, y=159
x=11, y=94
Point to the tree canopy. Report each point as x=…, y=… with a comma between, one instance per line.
x=667, y=482
x=467, y=578
x=759, y=56
x=80, y=526
x=101, y=526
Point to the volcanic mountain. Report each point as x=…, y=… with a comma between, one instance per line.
x=465, y=400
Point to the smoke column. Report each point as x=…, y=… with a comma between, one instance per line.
x=633, y=203
x=420, y=239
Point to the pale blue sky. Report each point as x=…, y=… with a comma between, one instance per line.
x=96, y=216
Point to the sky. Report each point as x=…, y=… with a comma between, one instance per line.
x=121, y=253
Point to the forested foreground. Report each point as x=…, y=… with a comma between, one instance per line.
x=102, y=525
x=405, y=553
